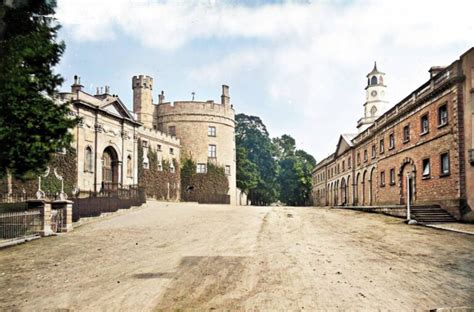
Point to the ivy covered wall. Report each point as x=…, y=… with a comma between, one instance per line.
x=159, y=184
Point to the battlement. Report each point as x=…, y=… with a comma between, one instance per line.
x=142, y=81
x=156, y=134
x=210, y=108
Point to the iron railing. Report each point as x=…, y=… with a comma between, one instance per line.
x=20, y=224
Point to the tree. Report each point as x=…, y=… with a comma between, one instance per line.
x=247, y=171
x=32, y=125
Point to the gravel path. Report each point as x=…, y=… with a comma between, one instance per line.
x=177, y=256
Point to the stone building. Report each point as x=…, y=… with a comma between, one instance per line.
x=106, y=140
x=426, y=140
x=206, y=130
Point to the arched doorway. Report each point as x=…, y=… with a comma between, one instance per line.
x=343, y=192
x=371, y=189
x=356, y=190
x=407, y=176
x=110, y=165
x=364, y=188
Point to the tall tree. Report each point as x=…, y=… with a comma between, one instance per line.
x=32, y=125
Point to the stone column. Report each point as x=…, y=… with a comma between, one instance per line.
x=66, y=205
x=45, y=209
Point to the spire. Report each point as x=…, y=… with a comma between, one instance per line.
x=375, y=67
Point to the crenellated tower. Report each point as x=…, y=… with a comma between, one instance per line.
x=143, y=99
x=375, y=104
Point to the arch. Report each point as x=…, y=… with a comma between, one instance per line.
x=407, y=166
x=371, y=187
x=373, y=80
x=88, y=159
x=356, y=189
x=364, y=188
x=373, y=111
x=110, y=166
x=343, y=192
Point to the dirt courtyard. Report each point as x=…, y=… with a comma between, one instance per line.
x=168, y=256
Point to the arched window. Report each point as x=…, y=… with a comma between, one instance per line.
x=381, y=80
x=129, y=166
x=373, y=111
x=373, y=80
x=88, y=160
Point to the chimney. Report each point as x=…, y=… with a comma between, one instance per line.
x=225, y=99
x=76, y=86
x=434, y=70
x=107, y=89
x=161, y=97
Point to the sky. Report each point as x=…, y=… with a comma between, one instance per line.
x=301, y=66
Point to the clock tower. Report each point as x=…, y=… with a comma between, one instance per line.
x=375, y=104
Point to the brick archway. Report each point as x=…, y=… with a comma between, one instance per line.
x=407, y=166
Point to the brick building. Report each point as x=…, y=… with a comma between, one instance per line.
x=426, y=140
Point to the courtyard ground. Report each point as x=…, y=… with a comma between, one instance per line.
x=175, y=256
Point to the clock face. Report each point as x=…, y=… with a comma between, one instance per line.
x=373, y=93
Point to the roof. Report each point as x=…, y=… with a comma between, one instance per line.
x=375, y=70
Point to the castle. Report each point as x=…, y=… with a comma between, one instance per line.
x=110, y=139
x=420, y=151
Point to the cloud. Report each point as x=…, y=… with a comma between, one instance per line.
x=312, y=57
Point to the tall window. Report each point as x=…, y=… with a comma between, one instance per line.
x=374, y=151
x=425, y=124
x=443, y=115
x=172, y=130
x=373, y=81
x=382, y=147
x=172, y=168
x=392, y=176
x=426, y=168
x=366, y=155
x=445, y=164
x=88, y=160
x=382, y=178
x=406, y=133
x=391, y=141
x=349, y=162
x=358, y=158
x=171, y=151
x=211, y=152
x=201, y=168
x=129, y=166
x=343, y=165
x=211, y=131
x=227, y=170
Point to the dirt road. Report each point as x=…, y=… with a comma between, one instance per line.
x=178, y=256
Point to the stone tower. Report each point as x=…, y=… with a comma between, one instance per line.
x=375, y=104
x=143, y=99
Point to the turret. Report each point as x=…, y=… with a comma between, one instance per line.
x=76, y=86
x=225, y=99
x=143, y=99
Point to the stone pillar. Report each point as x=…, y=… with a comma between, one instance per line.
x=66, y=206
x=45, y=209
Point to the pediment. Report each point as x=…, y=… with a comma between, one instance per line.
x=344, y=144
x=116, y=107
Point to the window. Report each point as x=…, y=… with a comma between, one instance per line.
x=391, y=141
x=343, y=166
x=211, y=131
x=159, y=158
x=445, y=164
x=158, y=147
x=366, y=155
x=406, y=134
x=211, y=152
x=358, y=158
x=374, y=151
x=443, y=115
x=201, y=168
x=392, y=176
x=172, y=169
x=338, y=167
x=425, y=124
x=349, y=162
x=227, y=170
x=172, y=130
x=373, y=81
x=129, y=166
x=382, y=147
x=171, y=151
x=145, y=144
x=426, y=168
x=88, y=160
x=382, y=178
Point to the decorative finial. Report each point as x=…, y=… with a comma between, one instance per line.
x=375, y=66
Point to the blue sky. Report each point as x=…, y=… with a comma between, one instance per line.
x=299, y=65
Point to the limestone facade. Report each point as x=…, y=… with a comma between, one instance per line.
x=106, y=140
x=425, y=140
x=206, y=130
